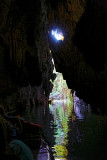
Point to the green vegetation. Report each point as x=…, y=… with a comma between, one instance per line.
x=60, y=89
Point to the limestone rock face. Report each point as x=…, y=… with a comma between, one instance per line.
x=24, y=51
x=26, y=60
x=82, y=57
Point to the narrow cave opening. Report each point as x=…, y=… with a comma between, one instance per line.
x=60, y=89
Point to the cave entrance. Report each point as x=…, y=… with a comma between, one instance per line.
x=60, y=89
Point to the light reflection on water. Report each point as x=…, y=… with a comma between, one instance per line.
x=65, y=114
x=61, y=111
x=73, y=131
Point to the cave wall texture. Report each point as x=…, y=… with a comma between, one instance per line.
x=25, y=43
x=26, y=66
x=82, y=56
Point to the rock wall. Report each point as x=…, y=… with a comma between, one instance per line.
x=26, y=62
x=25, y=43
x=82, y=57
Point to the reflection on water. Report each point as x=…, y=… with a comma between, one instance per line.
x=61, y=111
x=73, y=131
x=65, y=115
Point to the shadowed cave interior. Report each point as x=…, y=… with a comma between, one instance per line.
x=26, y=66
x=29, y=78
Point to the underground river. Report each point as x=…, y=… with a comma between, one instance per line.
x=73, y=130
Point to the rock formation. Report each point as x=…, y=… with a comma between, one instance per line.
x=82, y=56
x=24, y=52
x=26, y=61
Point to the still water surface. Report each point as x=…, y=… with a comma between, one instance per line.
x=74, y=132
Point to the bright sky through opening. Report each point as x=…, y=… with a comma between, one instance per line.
x=58, y=35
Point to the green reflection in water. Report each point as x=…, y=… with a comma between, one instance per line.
x=61, y=111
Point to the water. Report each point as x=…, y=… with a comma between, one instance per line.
x=74, y=132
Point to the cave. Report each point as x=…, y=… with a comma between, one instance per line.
x=25, y=44
x=28, y=48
